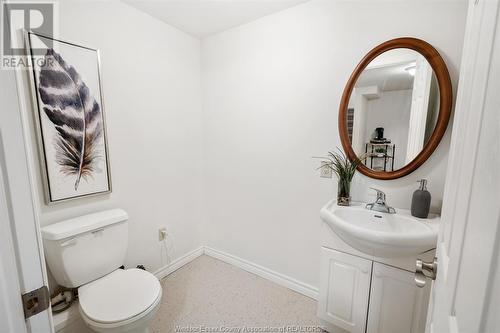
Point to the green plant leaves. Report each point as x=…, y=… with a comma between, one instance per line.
x=341, y=165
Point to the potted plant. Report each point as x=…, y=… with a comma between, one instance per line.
x=344, y=168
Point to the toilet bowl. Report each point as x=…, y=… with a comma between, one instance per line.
x=86, y=253
x=122, y=301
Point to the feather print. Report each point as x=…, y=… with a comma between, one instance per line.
x=75, y=115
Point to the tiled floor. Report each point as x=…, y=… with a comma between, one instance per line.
x=210, y=295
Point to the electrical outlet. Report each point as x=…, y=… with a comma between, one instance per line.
x=162, y=234
x=325, y=170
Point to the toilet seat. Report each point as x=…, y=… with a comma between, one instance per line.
x=120, y=297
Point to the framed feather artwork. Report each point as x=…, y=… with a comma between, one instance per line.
x=69, y=117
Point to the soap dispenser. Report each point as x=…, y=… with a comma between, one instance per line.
x=421, y=201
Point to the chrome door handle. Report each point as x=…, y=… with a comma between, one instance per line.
x=424, y=270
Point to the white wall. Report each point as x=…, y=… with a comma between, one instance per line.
x=151, y=84
x=271, y=92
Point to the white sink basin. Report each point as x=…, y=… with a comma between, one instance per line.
x=381, y=234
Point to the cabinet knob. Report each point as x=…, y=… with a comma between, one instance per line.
x=425, y=270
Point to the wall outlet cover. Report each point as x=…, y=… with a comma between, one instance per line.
x=325, y=171
x=162, y=234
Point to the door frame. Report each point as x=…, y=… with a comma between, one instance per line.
x=22, y=211
x=11, y=308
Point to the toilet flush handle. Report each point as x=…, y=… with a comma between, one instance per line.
x=69, y=242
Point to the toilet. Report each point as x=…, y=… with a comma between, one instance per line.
x=86, y=253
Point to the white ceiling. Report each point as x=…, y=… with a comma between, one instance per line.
x=387, y=78
x=388, y=70
x=202, y=18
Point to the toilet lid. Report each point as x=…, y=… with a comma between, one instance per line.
x=119, y=295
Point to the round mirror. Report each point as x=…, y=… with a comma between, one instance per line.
x=395, y=108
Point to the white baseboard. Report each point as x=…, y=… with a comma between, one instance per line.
x=281, y=279
x=178, y=263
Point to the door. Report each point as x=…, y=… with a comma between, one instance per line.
x=344, y=290
x=396, y=304
x=466, y=293
x=419, y=108
x=21, y=259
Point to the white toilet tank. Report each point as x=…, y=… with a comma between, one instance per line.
x=86, y=248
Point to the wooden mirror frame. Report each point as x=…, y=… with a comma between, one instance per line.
x=445, y=103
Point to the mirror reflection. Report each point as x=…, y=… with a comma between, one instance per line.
x=393, y=109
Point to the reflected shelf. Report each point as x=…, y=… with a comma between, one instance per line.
x=386, y=157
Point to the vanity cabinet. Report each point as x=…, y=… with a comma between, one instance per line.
x=359, y=295
x=396, y=303
x=344, y=290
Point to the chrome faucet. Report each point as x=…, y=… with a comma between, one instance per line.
x=379, y=205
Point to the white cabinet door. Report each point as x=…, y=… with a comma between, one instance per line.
x=397, y=305
x=344, y=290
